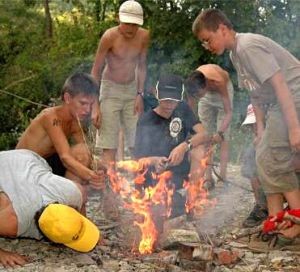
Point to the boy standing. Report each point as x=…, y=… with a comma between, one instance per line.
x=121, y=55
x=49, y=133
x=211, y=86
x=272, y=75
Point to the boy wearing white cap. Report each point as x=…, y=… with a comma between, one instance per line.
x=120, y=65
x=27, y=185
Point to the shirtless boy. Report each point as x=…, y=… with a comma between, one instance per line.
x=121, y=55
x=49, y=133
x=211, y=86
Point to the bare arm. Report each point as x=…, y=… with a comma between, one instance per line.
x=103, y=48
x=141, y=72
x=288, y=108
x=142, y=63
x=200, y=137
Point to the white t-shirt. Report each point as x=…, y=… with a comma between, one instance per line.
x=28, y=181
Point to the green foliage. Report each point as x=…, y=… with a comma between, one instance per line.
x=26, y=53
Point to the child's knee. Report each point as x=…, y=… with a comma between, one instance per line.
x=81, y=153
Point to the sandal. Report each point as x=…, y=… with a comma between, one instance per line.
x=268, y=242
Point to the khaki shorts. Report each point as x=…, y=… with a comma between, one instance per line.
x=274, y=156
x=117, y=109
x=211, y=111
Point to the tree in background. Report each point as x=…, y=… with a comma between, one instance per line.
x=73, y=30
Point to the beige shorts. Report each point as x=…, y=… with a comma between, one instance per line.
x=274, y=156
x=211, y=111
x=117, y=110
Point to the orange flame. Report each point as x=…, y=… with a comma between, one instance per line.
x=140, y=204
x=197, y=196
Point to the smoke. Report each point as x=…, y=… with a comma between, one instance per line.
x=228, y=206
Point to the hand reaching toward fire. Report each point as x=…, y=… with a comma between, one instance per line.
x=97, y=179
x=159, y=163
x=177, y=154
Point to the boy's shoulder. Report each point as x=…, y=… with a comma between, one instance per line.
x=246, y=40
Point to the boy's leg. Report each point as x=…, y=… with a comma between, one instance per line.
x=224, y=157
x=259, y=195
x=196, y=155
x=275, y=203
x=129, y=121
x=224, y=146
x=108, y=137
x=81, y=153
x=274, y=165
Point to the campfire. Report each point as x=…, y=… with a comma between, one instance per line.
x=153, y=203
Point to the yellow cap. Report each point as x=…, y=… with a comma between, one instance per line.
x=64, y=225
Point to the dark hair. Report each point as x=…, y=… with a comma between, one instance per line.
x=195, y=82
x=80, y=83
x=210, y=19
x=36, y=221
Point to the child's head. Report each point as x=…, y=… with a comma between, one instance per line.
x=79, y=93
x=130, y=17
x=169, y=92
x=211, y=27
x=195, y=84
x=210, y=19
x=80, y=83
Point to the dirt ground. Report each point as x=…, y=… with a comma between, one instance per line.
x=217, y=228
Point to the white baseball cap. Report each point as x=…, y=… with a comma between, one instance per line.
x=131, y=12
x=250, y=118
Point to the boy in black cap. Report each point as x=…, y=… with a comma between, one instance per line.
x=171, y=135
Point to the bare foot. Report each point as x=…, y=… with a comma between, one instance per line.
x=291, y=232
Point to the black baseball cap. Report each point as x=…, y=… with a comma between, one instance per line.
x=170, y=87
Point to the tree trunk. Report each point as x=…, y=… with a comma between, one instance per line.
x=103, y=10
x=48, y=20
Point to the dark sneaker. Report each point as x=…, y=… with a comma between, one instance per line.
x=256, y=217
